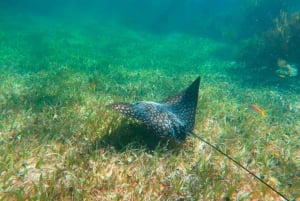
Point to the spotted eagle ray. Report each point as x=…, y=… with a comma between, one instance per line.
x=175, y=117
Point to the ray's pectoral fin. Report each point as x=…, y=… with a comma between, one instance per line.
x=184, y=104
x=124, y=108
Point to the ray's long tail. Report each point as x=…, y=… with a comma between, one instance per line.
x=237, y=163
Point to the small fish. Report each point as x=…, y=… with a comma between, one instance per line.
x=92, y=84
x=258, y=110
x=282, y=72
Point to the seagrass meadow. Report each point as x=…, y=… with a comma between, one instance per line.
x=59, y=141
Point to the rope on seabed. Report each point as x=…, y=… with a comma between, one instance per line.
x=238, y=164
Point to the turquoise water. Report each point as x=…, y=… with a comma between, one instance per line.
x=61, y=63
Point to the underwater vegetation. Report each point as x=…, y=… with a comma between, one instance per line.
x=60, y=141
x=275, y=52
x=255, y=18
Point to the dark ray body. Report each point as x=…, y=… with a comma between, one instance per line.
x=173, y=117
